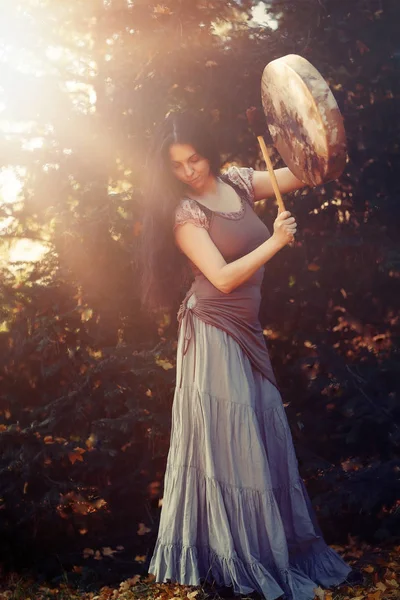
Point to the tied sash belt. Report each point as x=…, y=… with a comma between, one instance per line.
x=185, y=310
x=232, y=316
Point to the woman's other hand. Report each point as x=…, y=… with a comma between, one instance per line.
x=285, y=227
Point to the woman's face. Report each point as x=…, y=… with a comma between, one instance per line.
x=189, y=166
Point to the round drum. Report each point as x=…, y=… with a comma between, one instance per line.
x=304, y=119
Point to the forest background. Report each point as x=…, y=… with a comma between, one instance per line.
x=87, y=378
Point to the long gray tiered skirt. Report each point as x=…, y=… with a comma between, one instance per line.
x=235, y=509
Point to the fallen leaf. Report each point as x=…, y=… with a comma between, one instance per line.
x=107, y=551
x=100, y=503
x=142, y=529
x=380, y=586
x=91, y=441
x=140, y=558
x=319, y=593
x=368, y=569
x=165, y=364
x=124, y=586
x=76, y=455
x=313, y=267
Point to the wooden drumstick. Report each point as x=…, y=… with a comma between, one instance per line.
x=258, y=127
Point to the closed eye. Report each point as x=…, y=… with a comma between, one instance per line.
x=193, y=159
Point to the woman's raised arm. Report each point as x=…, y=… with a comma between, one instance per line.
x=196, y=243
x=287, y=182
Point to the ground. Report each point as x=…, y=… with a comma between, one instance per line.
x=380, y=567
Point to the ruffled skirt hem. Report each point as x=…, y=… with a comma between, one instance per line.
x=194, y=565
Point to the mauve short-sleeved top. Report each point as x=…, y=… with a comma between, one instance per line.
x=235, y=234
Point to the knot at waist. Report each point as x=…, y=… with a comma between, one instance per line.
x=185, y=310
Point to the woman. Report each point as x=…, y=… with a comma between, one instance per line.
x=235, y=510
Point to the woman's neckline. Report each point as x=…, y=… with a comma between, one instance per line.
x=229, y=214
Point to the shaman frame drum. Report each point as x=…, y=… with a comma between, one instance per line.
x=304, y=119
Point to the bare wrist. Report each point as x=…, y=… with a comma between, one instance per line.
x=277, y=242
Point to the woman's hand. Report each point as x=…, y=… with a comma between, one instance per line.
x=284, y=228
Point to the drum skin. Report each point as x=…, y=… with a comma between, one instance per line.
x=304, y=119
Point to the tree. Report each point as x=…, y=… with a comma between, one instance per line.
x=86, y=377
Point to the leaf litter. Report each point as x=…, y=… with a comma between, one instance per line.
x=379, y=566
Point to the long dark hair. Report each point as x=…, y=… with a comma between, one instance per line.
x=162, y=267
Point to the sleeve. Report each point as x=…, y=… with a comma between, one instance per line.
x=243, y=178
x=188, y=211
